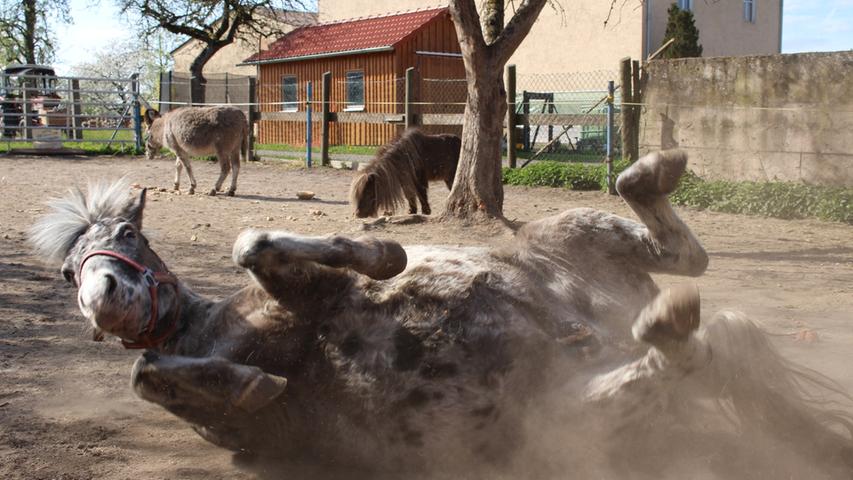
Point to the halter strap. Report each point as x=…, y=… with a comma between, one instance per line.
x=153, y=280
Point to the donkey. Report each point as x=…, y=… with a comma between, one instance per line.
x=358, y=352
x=403, y=169
x=192, y=131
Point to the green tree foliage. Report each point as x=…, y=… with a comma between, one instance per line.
x=25, y=36
x=682, y=27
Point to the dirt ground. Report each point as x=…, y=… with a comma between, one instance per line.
x=67, y=412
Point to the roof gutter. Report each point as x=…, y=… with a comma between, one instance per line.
x=389, y=48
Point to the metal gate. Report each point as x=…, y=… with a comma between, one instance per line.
x=50, y=112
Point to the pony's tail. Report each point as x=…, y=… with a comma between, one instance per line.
x=244, y=147
x=762, y=390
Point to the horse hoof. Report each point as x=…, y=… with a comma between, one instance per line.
x=177, y=188
x=191, y=192
x=212, y=192
x=230, y=193
x=672, y=316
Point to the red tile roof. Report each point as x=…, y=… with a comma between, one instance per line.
x=346, y=36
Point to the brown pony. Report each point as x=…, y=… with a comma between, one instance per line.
x=402, y=169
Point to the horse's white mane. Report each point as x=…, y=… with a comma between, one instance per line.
x=55, y=233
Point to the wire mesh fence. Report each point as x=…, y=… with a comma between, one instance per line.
x=559, y=117
x=565, y=115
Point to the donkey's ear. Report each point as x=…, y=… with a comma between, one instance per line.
x=150, y=116
x=133, y=212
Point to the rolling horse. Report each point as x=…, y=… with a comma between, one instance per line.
x=360, y=352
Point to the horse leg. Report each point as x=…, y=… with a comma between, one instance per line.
x=178, y=166
x=305, y=272
x=413, y=205
x=235, y=171
x=662, y=243
x=729, y=360
x=214, y=394
x=423, y=185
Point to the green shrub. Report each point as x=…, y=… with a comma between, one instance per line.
x=576, y=176
x=771, y=199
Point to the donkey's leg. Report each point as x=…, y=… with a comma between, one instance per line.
x=196, y=388
x=224, y=161
x=186, y=160
x=235, y=171
x=300, y=271
x=179, y=165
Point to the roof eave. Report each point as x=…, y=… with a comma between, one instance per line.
x=387, y=48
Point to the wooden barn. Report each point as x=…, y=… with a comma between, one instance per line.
x=367, y=58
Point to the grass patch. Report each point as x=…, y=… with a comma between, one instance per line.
x=770, y=199
x=576, y=176
x=95, y=142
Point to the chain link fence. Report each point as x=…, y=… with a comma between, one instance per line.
x=564, y=116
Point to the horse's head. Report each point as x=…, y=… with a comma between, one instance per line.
x=123, y=287
x=154, y=134
x=363, y=195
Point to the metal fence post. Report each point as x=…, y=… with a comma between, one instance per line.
x=408, y=108
x=308, y=126
x=137, y=117
x=611, y=183
x=510, y=116
x=76, y=111
x=327, y=98
x=253, y=117
x=626, y=115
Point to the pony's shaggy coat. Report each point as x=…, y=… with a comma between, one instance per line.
x=401, y=171
x=357, y=352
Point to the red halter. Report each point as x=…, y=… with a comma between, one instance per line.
x=153, y=279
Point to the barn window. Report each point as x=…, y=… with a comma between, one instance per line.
x=749, y=10
x=289, y=93
x=685, y=5
x=355, y=90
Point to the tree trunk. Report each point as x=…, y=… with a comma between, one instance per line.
x=30, y=15
x=478, y=187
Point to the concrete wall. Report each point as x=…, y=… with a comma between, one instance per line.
x=573, y=41
x=723, y=31
x=775, y=117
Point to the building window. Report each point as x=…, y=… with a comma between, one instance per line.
x=355, y=90
x=686, y=5
x=749, y=10
x=289, y=94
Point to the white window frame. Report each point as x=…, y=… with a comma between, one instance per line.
x=294, y=105
x=749, y=10
x=686, y=5
x=354, y=107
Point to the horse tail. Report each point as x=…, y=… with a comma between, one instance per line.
x=767, y=392
x=244, y=147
